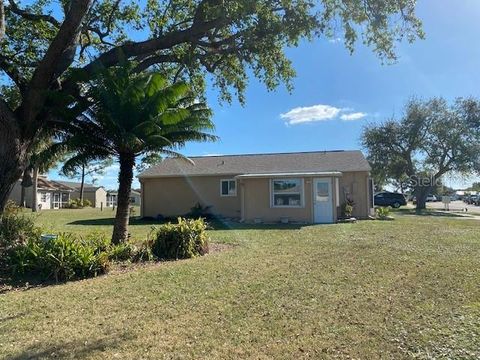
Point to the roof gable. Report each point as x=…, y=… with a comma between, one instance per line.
x=320, y=161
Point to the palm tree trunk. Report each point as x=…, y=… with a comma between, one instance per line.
x=82, y=184
x=125, y=178
x=35, y=190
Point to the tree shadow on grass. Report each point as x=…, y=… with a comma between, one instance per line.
x=73, y=349
x=215, y=223
x=428, y=212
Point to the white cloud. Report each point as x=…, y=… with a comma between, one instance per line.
x=353, y=116
x=320, y=112
x=307, y=114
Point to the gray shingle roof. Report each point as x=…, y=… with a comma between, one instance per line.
x=76, y=185
x=261, y=164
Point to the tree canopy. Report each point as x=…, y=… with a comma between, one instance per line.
x=432, y=138
x=48, y=44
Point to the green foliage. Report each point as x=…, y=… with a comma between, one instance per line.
x=238, y=36
x=431, y=139
x=382, y=212
x=347, y=210
x=62, y=258
x=186, y=239
x=144, y=252
x=78, y=204
x=121, y=252
x=199, y=211
x=16, y=228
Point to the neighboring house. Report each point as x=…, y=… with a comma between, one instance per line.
x=97, y=195
x=50, y=194
x=112, y=198
x=308, y=187
x=135, y=198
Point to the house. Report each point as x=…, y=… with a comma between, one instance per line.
x=307, y=187
x=50, y=194
x=135, y=198
x=97, y=195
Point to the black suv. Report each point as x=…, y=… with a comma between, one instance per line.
x=394, y=200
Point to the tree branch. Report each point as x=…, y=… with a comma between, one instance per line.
x=13, y=73
x=30, y=16
x=46, y=70
x=133, y=49
x=2, y=20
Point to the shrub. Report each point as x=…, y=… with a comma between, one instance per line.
x=78, y=204
x=16, y=228
x=347, y=208
x=63, y=258
x=144, y=252
x=382, y=213
x=184, y=240
x=121, y=252
x=198, y=211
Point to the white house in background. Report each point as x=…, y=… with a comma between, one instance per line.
x=50, y=194
x=97, y=195
x=135, y=198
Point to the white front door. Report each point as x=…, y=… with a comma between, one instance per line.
x=56, y=200
x=322, y=201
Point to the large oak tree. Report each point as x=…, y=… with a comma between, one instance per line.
x=187, y=38
x=431, y=139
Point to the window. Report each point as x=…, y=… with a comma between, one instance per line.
x=228, y=187
x=43, y=197
x=287, y=192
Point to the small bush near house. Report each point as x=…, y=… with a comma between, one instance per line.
x=199, y=211
x=184, y=240
x=383, y=213
x=347, y=208
x=78, y=204
x=63, y=258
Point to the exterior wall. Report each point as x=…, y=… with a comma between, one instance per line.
x=135, y=199
x=257, y=203
x=95, y=197
x=174, y=196
x=100, y=198
x=355, y=184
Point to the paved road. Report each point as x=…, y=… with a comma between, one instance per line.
x=454, y=206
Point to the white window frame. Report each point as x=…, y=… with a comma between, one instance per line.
x=301, y=192
x=43, y=195
x=221, y=187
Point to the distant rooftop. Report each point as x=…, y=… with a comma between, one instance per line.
x=76, y=185
x=316, y=161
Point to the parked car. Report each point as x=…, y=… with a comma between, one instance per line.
x=431, y=198
x=394, y=200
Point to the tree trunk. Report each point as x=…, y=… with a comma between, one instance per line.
x=125, y=178
x=35, y=190
x=22, y=196
x=421, y=193
x=82, y=184
x=13, y=153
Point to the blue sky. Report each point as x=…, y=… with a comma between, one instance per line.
x=343, y=92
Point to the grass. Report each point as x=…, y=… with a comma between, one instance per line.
x=400, y=289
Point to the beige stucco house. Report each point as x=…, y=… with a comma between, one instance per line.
x=50, y=194
x=307, y=187
x=97, y=195
x=135, y=198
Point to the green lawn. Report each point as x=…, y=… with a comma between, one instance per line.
x=397, y=289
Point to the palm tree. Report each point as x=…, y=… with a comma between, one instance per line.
x=136, y=115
